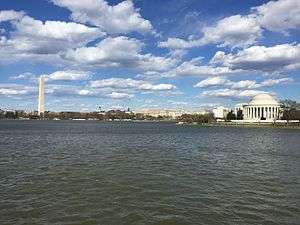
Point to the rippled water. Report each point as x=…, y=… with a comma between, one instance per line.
x=56, y=172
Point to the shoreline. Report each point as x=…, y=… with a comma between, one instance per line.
x=212, y=124
x=246, y=125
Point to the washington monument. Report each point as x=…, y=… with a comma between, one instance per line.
x=41, y=107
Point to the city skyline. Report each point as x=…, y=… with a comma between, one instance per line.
x=142, y=54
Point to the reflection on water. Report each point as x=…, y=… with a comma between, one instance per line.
x=60, y=172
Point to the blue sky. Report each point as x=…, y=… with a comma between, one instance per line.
x=183, y=54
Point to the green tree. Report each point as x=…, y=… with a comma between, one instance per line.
x=231, y=116
x=290, y=110
x=239, y=115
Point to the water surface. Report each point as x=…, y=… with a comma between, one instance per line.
x=79, y=172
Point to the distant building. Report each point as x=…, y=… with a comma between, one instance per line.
x=262, y=107
x=220, y=112
x=161, y=113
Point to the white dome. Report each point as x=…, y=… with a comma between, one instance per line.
x=263, y=99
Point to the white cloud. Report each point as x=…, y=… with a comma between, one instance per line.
x=119, y=52
x=261, y=58
x=212, y=81
x=243, y=31
x=120, y=18
x=85, y=92
x=32, y=38
x=130, y=84
x=271, y=82
x=15, y=89
x=118, y=83
x=233, y=31
x=280, y=16
x=8, y=15
x=70, y=75
x=23, y=76
x=9, y=91
x=178, y=43
x=243, y=84
x=119, y=95
x=158, y=87
x=191, y=68
x=230, y=93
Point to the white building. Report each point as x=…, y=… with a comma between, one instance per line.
x=262, y=107
x=220, y=112
x=159, y=112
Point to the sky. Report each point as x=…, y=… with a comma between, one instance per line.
x=141, y=54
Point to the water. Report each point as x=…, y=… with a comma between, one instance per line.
x=59, y=172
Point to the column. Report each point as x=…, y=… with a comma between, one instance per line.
x=271, y=117
x=247, y=113
x=266, y=111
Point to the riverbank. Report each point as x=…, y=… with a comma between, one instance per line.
x=246, y=125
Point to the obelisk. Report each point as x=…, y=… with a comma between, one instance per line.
x=41, y=107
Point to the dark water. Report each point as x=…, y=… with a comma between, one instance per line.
x=147, y=173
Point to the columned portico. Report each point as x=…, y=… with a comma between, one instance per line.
x=262, y=107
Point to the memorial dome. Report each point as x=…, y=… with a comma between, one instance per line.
x=263, y=99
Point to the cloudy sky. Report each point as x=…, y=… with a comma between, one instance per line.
x=186, y=54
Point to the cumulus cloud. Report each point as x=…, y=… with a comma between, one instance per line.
x=118, y=83
x=233, y=31
x=157, y=87
x=244, y=31
x=243, y=84
x=119, y=95
x=230, y=93
x=69, y=75
x=121, y=83
x=212, y=81
x=261, y=58
x=279, y=16
x=85, y=92
x=120, y=18
x=190, y=68
x=15, y=89
x=8, y=15
x=23, y=76
x=271, y=82
x=119, y=52
x=34, y=38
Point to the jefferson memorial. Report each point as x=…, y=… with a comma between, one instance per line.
x=263, y=107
